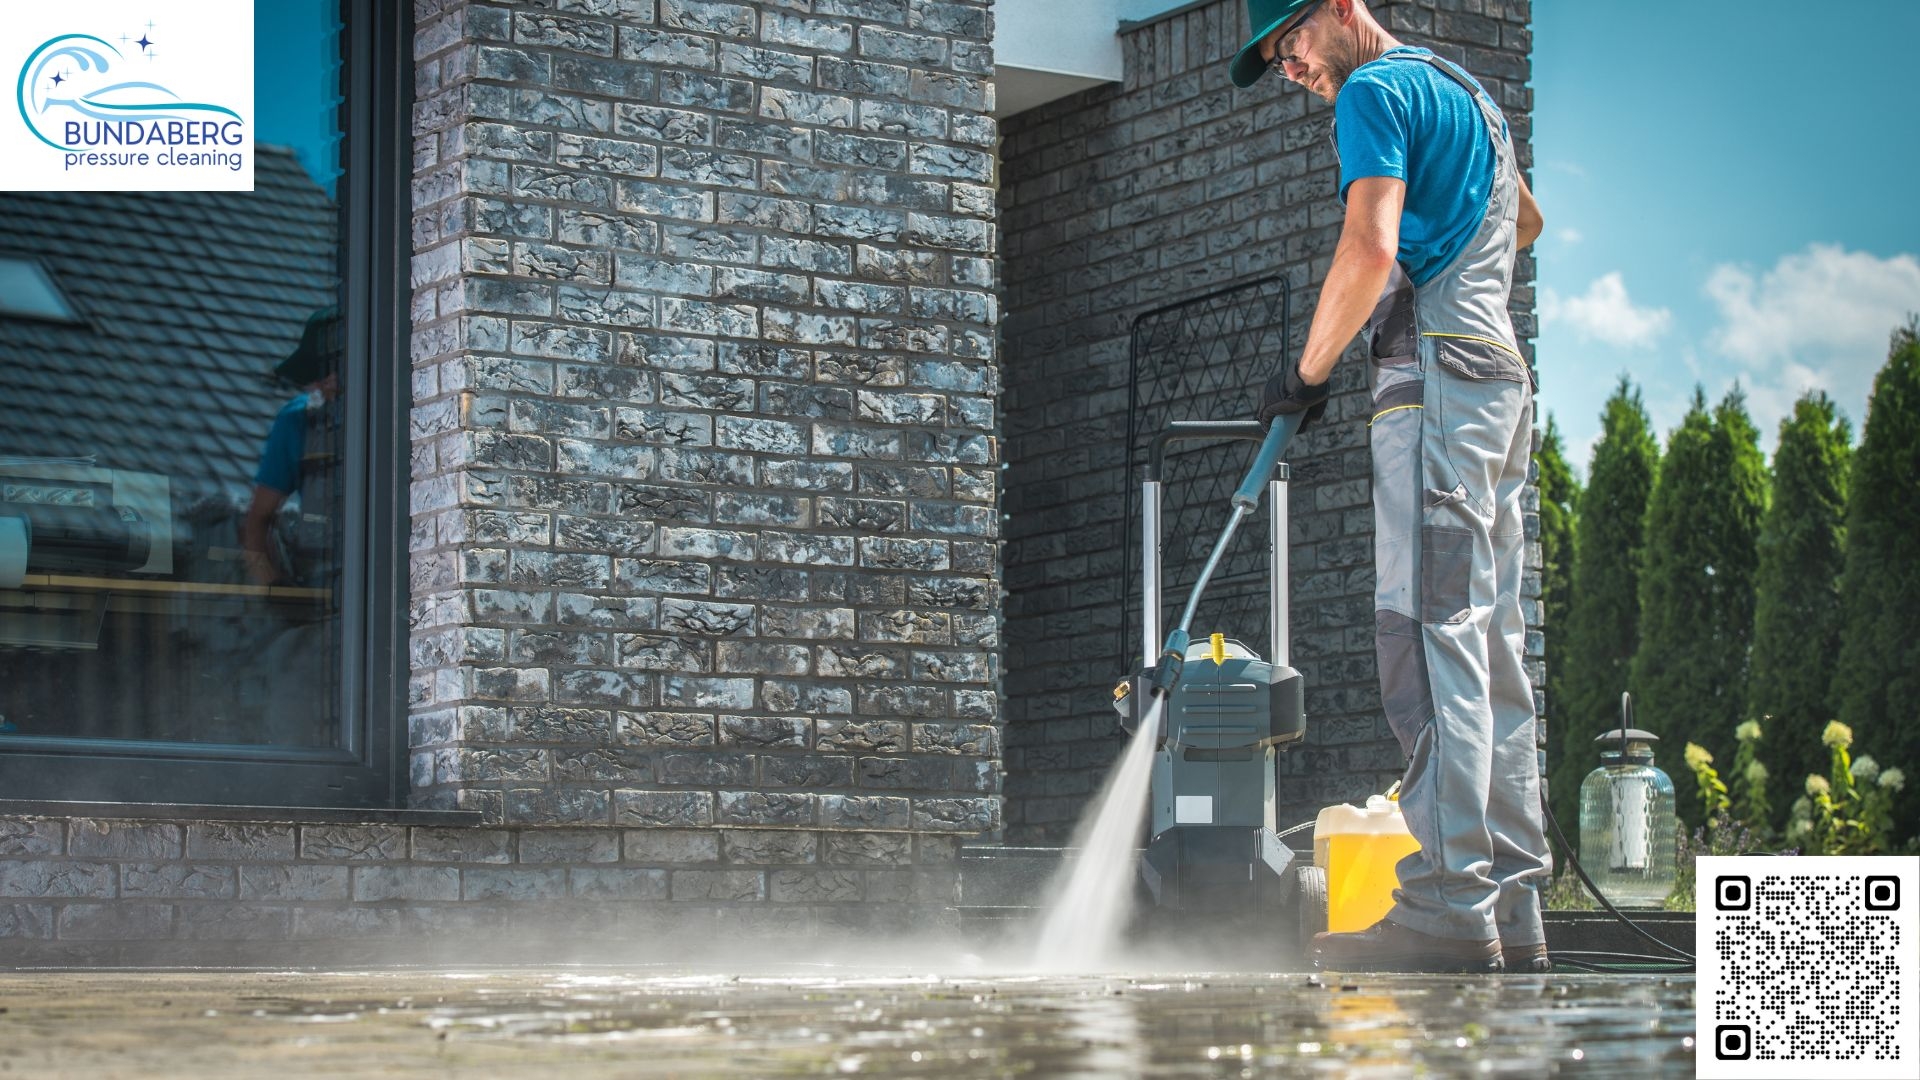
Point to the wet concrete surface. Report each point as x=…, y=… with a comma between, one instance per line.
x=815, y=1020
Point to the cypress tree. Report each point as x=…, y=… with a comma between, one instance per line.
x=1559, y=494
x=1796, y=621
x=1877, y=683
x=1594, y=644
x=1696, y=591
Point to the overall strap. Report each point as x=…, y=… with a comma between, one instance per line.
x=1488, y=111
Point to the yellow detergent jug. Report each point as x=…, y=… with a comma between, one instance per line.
x=1358, y=849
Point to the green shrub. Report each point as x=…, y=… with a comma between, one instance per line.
x=1877, y=681
x=1750, y=804
x=1592, y=648
x=1849, y=811
x=1696, y=590
x=1559, y=494
x=1797, y=624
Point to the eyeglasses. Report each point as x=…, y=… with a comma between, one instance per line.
x=1280, y=55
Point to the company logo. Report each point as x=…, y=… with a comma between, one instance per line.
x=152, y=107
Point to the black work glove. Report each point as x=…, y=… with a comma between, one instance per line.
x=1286, y=393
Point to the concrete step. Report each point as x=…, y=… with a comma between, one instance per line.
x=1597, y=931
x=1000, y=876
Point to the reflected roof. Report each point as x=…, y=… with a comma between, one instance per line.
x=27, y=292
x=189, y=299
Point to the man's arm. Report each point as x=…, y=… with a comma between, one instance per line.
x=274, y=481
x=255, y=531
x=1531, y=224
x=1362, y=262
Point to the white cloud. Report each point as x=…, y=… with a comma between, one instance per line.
x=1605, y=313
x=1817, y=319
x=1824, y=301
x=1691, y=358
x=1569, y=237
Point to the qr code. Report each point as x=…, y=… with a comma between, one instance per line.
x=1807, y=961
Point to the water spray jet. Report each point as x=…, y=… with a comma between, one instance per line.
x=1205, y=721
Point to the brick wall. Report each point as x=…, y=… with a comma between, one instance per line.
x=704, y=619
x=106, y=891
x=704, y=467
x=1125, y=197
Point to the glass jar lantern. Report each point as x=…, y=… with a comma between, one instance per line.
x=1628, y=829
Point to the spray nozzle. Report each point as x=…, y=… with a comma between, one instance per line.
x=1166, y=674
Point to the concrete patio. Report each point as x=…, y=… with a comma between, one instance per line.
x=814, y=1019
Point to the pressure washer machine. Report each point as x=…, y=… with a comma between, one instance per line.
x=1222, y=711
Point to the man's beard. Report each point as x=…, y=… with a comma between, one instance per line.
x=1342, y=59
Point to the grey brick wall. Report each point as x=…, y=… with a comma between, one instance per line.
x=704, y=428
x=82, y=891
x=1125, y=197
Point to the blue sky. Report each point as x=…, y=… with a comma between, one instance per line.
x=1729, y=189
x=294, y=81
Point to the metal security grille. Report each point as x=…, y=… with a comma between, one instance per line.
x=1202, y=359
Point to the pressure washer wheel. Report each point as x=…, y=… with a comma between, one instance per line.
x=1312, y=884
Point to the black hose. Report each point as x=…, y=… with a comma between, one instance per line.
x=1651, y=966
x=1672, y=951
x=1608, y=954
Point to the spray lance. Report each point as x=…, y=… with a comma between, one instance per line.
x=1163, y=677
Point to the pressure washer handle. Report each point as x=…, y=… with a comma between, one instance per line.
x=1284, y=427
x=1173, y=658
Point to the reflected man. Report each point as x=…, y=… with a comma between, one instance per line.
x=285, y=461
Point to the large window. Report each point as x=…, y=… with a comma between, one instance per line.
x=198, y=531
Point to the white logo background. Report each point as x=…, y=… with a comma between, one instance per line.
x=183, y=66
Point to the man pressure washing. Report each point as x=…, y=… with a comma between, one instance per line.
x=1435, y=211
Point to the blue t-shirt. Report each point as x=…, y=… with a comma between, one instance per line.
x=1402, y=118
x=286, y=444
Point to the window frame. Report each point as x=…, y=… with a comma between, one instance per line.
x=368, y=769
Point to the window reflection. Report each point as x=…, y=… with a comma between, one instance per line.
x=170, y=473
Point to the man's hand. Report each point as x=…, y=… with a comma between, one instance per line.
x=1287, y=392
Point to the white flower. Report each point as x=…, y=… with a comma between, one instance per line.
x=1837, y=735
x=1798, y=828
x=1756, y=773
x=1817, y=785
x=1747, y=731
x=1865, y=769
x=1893, y=779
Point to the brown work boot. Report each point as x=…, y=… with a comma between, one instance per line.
x=1388, y=946
x=1526, y=959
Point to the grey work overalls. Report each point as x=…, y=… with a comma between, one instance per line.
x=1451, y=434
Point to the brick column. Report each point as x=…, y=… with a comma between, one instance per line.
x=704, y=470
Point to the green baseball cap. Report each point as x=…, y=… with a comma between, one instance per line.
x=1265, y=16
x=318, y=352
